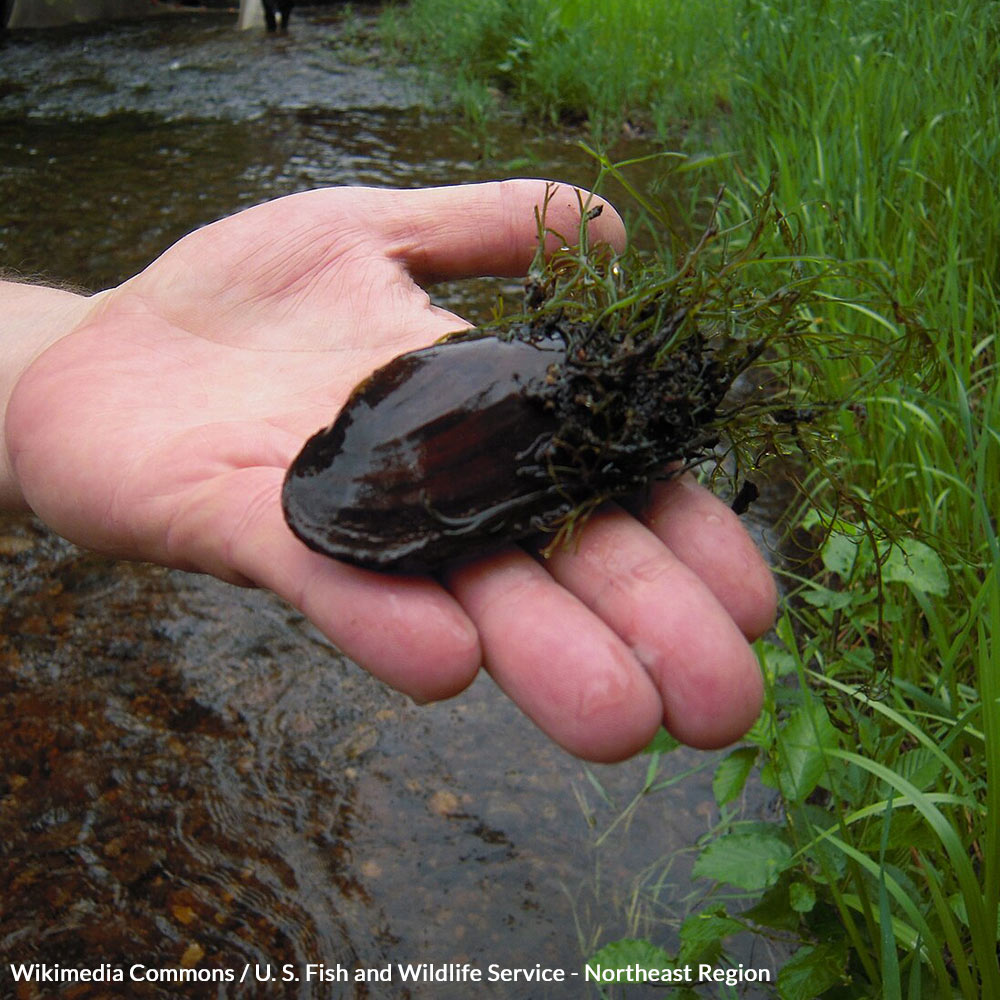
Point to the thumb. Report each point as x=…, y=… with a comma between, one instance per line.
x=474, y=230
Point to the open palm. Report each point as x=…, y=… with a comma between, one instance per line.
x=161, y=426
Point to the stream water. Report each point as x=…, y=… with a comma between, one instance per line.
x=189, y=774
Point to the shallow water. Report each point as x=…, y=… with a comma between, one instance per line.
x=189, y=773
x=191, y=766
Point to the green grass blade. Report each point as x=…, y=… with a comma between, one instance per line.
x=983, y=931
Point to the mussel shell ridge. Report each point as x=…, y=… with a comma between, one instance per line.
x=438, y=455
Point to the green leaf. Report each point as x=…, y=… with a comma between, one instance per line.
x=749, y=859
x=958, y=907
x=800, y=763
x=702, y=935
x=662, y=742
x=828, y=862
x=918, y=566
x=839, y=554
x=823, y=597
x=773, y=909
x=811, y=970
x=776, y=661
x=630, y=952
x=732, y=773
x=920, y=766
x=801, y=897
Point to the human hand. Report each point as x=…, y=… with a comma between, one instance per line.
x=161, y=425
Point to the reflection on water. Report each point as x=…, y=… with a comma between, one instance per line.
x=117, y=141
x=189, y=774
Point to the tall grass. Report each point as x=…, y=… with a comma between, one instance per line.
x=577, y=60
x=877, y=122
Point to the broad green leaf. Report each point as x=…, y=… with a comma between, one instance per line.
x=702, y=935
x=918, y=566
x=732, y=773
x=773, y=909
x=823, y=597
x=749, y=859
x=801, y=897
x=630, y=952
x=839, y=554
x=775, y=660
x=801, y=761
x=810, y=971
x=919, y=766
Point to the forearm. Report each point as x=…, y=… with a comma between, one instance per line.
x=33, y=318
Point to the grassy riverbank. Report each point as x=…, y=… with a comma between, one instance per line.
x=583, y=60
x=877, y=121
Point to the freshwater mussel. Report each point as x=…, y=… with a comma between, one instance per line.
x=496, y=434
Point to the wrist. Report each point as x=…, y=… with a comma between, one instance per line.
x=34, y=318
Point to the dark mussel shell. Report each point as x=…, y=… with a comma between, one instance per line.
x=482, y=439
x=440, y=454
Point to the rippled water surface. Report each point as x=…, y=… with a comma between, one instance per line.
x=189, y=773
